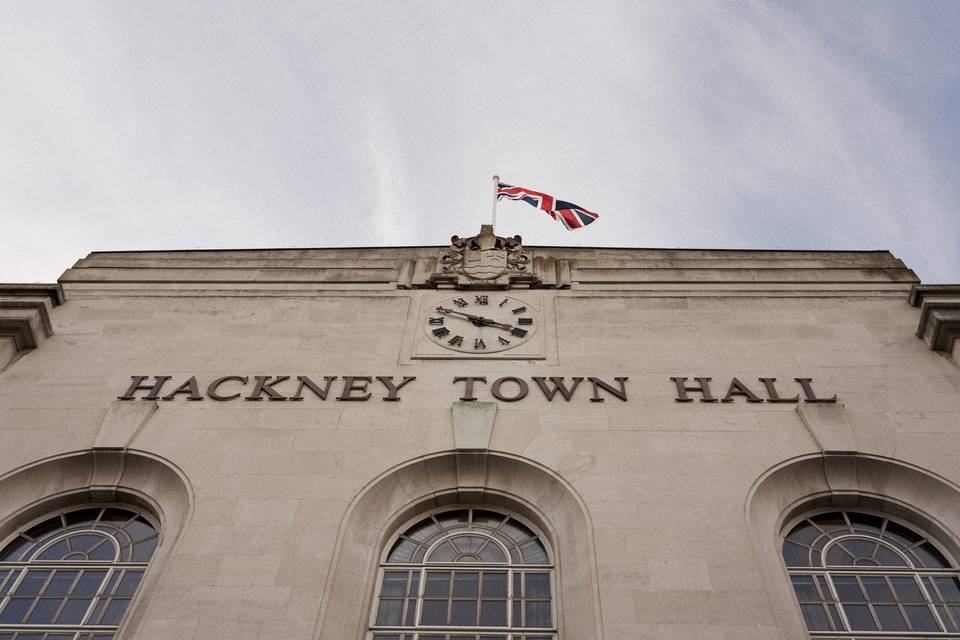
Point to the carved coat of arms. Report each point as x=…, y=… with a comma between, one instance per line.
x=485, y=260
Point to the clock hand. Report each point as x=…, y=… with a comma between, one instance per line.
x=479, y=320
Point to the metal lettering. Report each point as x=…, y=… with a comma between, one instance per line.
x=809, y=395
x=188, y=387
x=772, y=391
x=600, y=384
x=137, y=385
x=350, y=385
x=261, y=387
x=558, y=385
x=737, y=388
x=310, y=384
x=468, y=387
x=393, y=388
x=213, y=390
x=703, y=387
x=522, y=390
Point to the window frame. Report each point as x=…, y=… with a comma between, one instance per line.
x=509, y=632
x=921, y=575
x=115, y=570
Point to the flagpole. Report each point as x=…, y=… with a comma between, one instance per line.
x=493, y=220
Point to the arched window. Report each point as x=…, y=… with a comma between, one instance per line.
x=466, y=574
x=72, y=576
x=857, y=572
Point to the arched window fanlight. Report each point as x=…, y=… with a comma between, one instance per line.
x=466, y=574
x=856, y=572
x=73, y=575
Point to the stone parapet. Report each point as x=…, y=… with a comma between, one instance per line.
x=939, y=323
x=25, y=317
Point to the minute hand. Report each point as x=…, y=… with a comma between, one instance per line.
x=480, y=319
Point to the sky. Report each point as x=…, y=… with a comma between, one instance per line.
x=182, y=125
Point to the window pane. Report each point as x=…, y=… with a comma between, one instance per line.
x=538, y=614
x=128, y=584
x=794, y=555
x=466, y=584
x=859, y=617
x=72, y=612
x=921, y=618
x=493, y=613
x=89, y=583
x=15, y=610
x=538, y=585
x=815, y=617
x=848, y=589
x=394, y=583
x=60, y=584
x=44, y=611
x=32, y=583
x=495, y=585
x=805, y=589
x=534, y=553
x=877, y=589
x=114, y=611
x=390, y=613
x=433, y=612
x=949, y=589
x=890, y=618
x=438, y=583
x=907, y=589
x=464, y=613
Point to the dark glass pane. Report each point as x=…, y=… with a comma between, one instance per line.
x=73, y=610
x=847, y=589
x=492, y=553
x=394, y=583
x=890, y=617
x=44, y=611
x=804, y=533
x=806, y=591
x=89, y=583
x=140, y=529
x=815, y=617
x=930, y=557
x=15, y=610
x=837, y=557
x=85, y=541
x=469, y=544
x=830, y=521
x=901, y=535
x=29, y=636
x=6, y=636
x=45, y=527
x=466, y=584
x=495, y=585
x=859, y=617
x=451, y=519
x=949, y=589
x=887, y=558
x=438, y=583
x=794, y=555
x=864, y=522
x=955, y=614
x=516, y=613
x=55, y=552
x=463, y=613
x=402, y=551
x=390, y=613
x=538, y=585
x=877, y=589
x=921, y=618
x=493, y=613
x=443, y=553
x=114, y=612
x=415, y=583
x=538, y=614
x=860, y=548
x=422, y=530
x=143, y=551
x=387, y=636
x=835, y=617
x=15, y=549
x=907, y=589
x=59, y=636
x=516, y=531
x=411, y=613
x=60, y=583
x=129, y=582
x=106, y=551
x=118, y=516
x=82, y=516
x=32, y=583
x=534, y=553
x=487, y=518
x=433, y=612
x=97, y=612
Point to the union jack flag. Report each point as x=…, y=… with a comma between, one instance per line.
x=572, y=216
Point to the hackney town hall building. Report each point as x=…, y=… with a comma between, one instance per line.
x=483, y=441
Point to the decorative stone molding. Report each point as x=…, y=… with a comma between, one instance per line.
x=25, y=316
x=939, y=315
x=484, y=261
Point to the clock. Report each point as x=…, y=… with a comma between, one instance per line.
x=481, y=323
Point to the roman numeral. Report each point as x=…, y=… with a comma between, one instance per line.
x=460, y=302
x=478, y=343
x=480, y=300
x=503, y=340
x=518, y=332
x=443, y=310
x=456, y=341
x=503, y=303
x=519, y=309
x=442, y=331
x=439, y=320
x=520, y=320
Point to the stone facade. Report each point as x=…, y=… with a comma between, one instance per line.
x=665, y=518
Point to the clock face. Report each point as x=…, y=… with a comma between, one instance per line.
x=481, y=323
